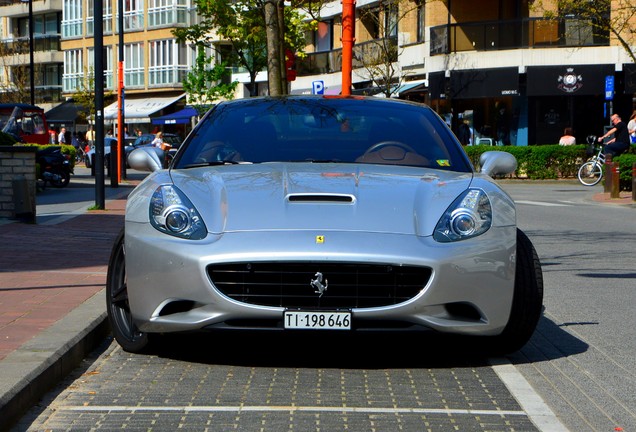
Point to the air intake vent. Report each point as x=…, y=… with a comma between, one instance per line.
x=321, y=198
x=348, y=285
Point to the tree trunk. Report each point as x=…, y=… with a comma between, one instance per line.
x=273, y=48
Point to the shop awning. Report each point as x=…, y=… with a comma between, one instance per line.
x=568, y=80
x=409, y=87
x=484, y=83
x=180, y=117
x=139, y=110
x=64, y=114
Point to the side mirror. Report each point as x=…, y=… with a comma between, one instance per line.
x=146, y=159
x=497, y=163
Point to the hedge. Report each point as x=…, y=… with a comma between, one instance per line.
x=553, y=161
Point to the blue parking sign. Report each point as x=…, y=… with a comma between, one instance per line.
x=318, y=87
x=609, y=87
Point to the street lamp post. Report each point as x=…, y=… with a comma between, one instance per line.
x=31, y=49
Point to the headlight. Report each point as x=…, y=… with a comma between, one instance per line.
x=470, y=215
x=172, y=213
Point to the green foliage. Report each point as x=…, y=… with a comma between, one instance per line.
x=626, y=165
x=6, y=139
x=549, y=161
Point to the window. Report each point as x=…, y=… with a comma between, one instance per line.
x=133, y=15
x=109, y=82
x=391, y=20
x=421, y=23
x=72, y=18
x=168, y=13
x=134, y=65
x=73, y=70
x=167, y=62
x=370, y=19
x=90, y=17
x=323, y=36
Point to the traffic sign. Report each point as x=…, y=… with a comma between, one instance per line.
x=609, y=87
x=318, y=87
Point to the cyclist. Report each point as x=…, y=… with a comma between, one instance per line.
x=621, y=142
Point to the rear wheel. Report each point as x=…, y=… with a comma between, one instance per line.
x=527, y=302
x=63, y=180
x=119, y=315
x=590, y=173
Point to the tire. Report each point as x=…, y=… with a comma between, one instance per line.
x=527, y=302
x=119, y=316
x=590, y=173
x=65, y=178
x=87, y=161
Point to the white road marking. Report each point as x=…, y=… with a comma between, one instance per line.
x=537, y=410
x=290, y=408
x=541, y=203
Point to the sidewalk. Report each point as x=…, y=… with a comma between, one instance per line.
x=52, y=303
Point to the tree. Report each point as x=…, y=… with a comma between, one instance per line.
x=253, y=29
x=205, y=83
x=379, y=56
x=604, y=17
x=15, y=84
x=85, y=96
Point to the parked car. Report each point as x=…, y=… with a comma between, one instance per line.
x=326, y=213
x=129, y=145
x=172, y=139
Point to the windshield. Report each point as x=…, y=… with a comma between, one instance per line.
x=318, y=129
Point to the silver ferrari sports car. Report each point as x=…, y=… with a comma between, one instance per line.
x=323, y=213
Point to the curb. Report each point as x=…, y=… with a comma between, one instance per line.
x=40, y=364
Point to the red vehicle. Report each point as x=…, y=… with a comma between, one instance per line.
x=27, y=123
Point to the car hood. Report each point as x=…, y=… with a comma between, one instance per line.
x=306, y=196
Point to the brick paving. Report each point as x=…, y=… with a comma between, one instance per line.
x=46, y=271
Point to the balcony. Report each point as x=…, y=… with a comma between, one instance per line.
x=514, y=34
x=331, y=61
x=20, y=45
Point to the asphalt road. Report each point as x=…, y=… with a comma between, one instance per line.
x=579, y=364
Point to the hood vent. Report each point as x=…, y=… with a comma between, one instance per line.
x=321, y=198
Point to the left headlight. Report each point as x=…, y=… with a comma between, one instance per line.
x=470, y=215
x=171, y=212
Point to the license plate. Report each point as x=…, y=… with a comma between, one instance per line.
x=307, y=320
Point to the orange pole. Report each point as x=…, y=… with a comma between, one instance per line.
x=348, y=39
x=120, y=118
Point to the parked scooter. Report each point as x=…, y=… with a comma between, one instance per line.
x=55, y=168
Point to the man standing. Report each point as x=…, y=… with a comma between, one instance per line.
x=621, y=142
x=90, y=136
x=61, y=137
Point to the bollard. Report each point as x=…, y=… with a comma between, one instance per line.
x=616, y=177
x=634, y=182
x=607, y=172
x=24, y=205
x=112, y=164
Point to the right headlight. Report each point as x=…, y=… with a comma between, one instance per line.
x=470, y=215
x=171, y=212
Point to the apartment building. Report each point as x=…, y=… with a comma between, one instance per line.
x=15, y=45
x=516, y=77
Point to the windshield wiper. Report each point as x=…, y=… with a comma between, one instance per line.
x=212, y=163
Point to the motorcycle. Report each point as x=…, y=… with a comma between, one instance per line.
x=55, y=168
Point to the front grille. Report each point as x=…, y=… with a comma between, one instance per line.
x=289, y=284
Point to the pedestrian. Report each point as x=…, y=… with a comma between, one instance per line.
x=620, y=143
x=90, y=136
x=61, y=137
x=158, y=141
x=464, y=134
x=568, y=137
x=631, y=127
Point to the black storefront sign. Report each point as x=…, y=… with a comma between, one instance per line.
x=584, y=80
x=484, y=83
x=437, y=85
x=630, y=78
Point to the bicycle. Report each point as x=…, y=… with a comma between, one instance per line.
x=591, y=172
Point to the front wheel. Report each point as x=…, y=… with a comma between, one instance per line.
x=62, y=180
x=119, y=315
x=527, y=302
x=590, y=173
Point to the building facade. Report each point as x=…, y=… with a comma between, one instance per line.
x=517, y=77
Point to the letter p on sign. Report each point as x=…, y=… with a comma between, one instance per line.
x=318, y=87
